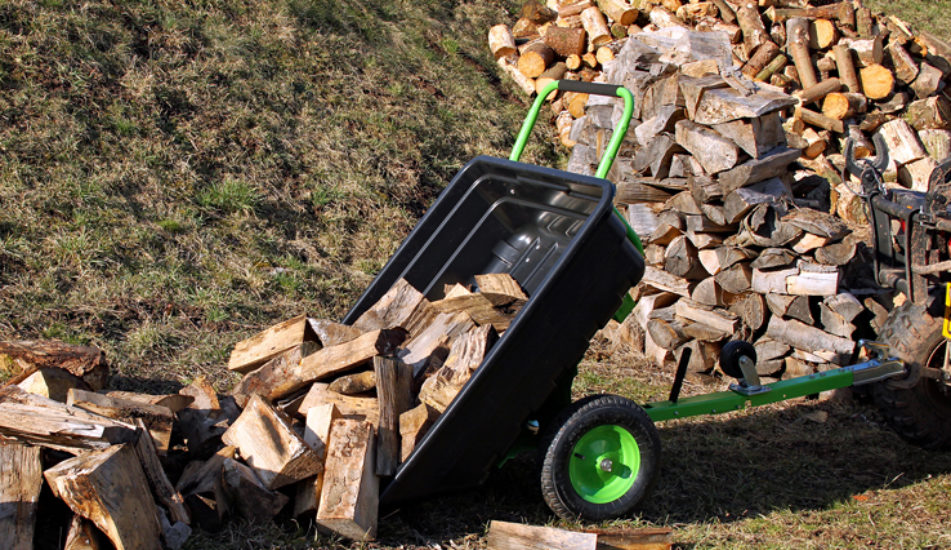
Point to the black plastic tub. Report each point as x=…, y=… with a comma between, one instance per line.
x=557, y=234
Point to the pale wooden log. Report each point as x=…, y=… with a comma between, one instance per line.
x=661, y=280
x=659, y=355
x=524, y=29
x=755, y=136
x=619, y=11
x=478, y=307
x=108, y=487
x=846, y=68
x=354, y=384
x=20, y=358
x=510, y=67
x=835, y=324
x=635, y=191
x=797, y=30
x=784, y=305
x=773, y=257
x=664, y=233
x=839, y=253
x=535, y=58
x=286, y=459
x=820, y=120
x=697, y=12
x=555, y=72
x=708, y=293
x=822, y=34
x=174, y=402
x=317, y=435
x=843, y=105
x=906, y=69
x=432, y=344
x=681, y=259
x=204, y=420
x=657, y=156
x=719, y=319
x=158, y=419
x=573, y=63
x=267, y=344
x=937, y=143
x=749, y=19
x=933, y=113
x=771, y=165
x=843, y=12
x=809, y=242
x=800, y=335
x=814, y=143
x=663, y=18
x=501, y=41
x=83, y=535
x=714, y=213
x=703, y=333
x=742, y=200
x=501, y=289
x=348, y=502
x=162, y=488
x=714, y=152
x=359, y=408
x=513, y=536
x=751, y=309
x=249, y=497
x=819, y=91
x=765, y=53
x=21, y=478
x=402, y=306
x=812, y=283
x=595, y=26
x=877, y=81
x=825, y=65
x=563, y=126
x=574, y=8
x=667, y=335
x=51, y=383
x=736, y=278
x=395, y=397
x=414, y=424
x=868, y=52
x=929, y=81
x=647, y=304
x=704, y=188
x=663, y=121
x=771, y=282
x=937, y=51
x=702, y=223
x=41, y=421
x=285, y=375
x=720, y=105
x=464, y=358
x=729, y=255
x=863, y=21
x=915, y=174
x=330, y=333
x=902, y=142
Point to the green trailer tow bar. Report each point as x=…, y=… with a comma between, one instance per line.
x=873, y=370
x=610, y=153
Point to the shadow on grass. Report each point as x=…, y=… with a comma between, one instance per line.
x=713, y=469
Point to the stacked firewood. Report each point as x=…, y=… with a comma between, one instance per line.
x=719, y=171
x=322, y=412
x=852, y=72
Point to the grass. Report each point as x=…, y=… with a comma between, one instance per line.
x=176, y=176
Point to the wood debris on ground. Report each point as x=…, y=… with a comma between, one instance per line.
x=322, y=412
x=731, y=170
x=503, y=535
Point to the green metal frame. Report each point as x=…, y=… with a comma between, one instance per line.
x=604, y=166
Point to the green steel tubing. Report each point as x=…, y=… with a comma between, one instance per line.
x=726, y=401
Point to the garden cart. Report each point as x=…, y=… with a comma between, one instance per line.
x=558, y=234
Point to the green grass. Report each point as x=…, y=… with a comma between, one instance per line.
x=930, y=15
x=177, y=176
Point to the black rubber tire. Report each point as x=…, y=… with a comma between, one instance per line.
x=730, y=357
x=558, y=445
x=920, y=414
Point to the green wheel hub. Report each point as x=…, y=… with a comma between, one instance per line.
x=604, y=464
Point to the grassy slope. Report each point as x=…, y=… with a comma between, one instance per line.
x=174, y=178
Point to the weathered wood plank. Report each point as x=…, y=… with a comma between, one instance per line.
x=21, y=478
x=349, y=499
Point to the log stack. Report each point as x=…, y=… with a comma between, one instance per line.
x=739, y=106
x=322, y=412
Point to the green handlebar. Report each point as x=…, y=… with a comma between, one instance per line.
x=604, y=166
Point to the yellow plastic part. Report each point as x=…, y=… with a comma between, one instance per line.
x=946, y=327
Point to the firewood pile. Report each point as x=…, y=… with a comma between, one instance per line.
x=731, y=170
x=323, y=411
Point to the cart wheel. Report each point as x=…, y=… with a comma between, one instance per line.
x=730, y=357
x=602, y=461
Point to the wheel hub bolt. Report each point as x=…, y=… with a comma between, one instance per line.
x=606, y=465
